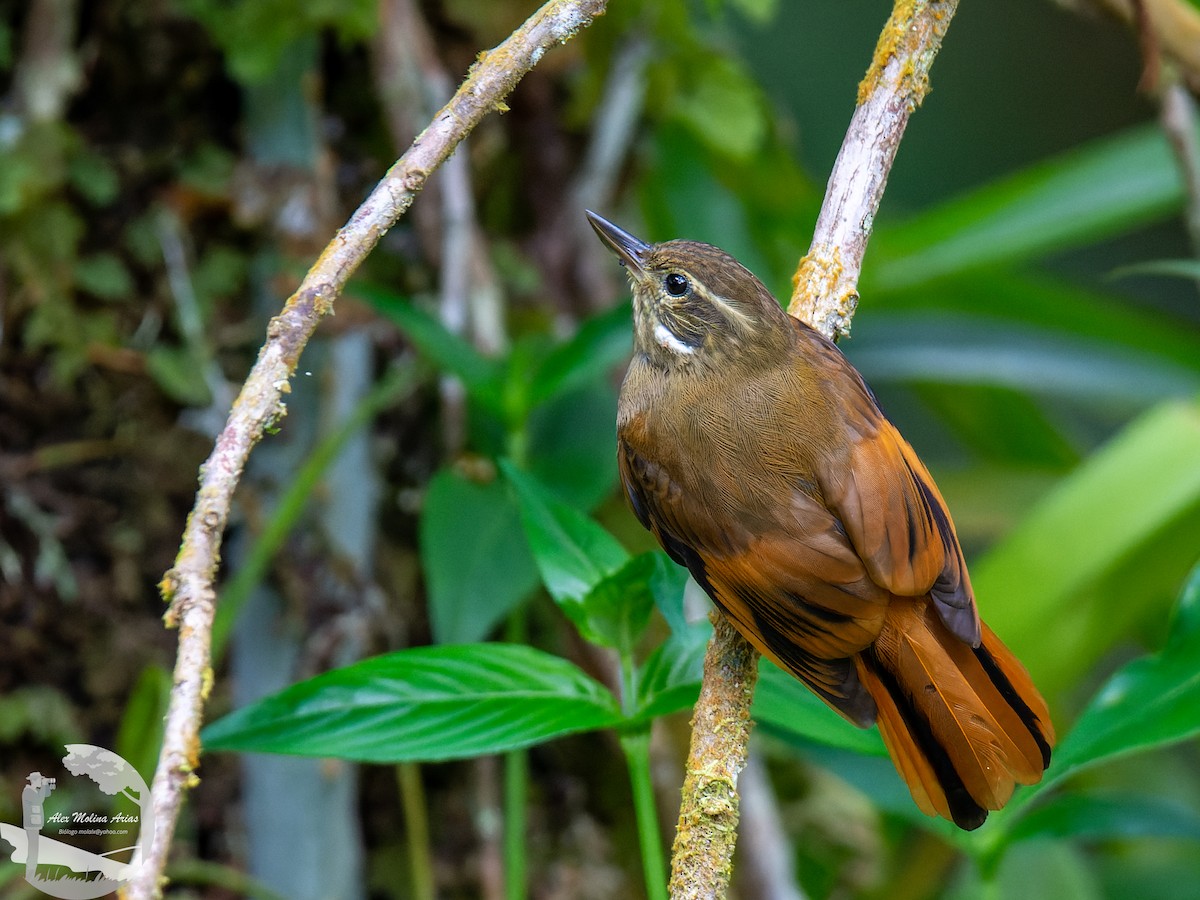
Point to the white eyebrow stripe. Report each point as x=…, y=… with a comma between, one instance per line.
x=667, y=339
x=728, y=306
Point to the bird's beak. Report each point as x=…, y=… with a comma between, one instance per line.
x=632, y=251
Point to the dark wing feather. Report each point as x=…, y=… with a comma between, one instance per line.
x=800, y=595
x=893, y=512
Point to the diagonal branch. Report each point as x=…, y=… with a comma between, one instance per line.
x=825, y=296
x=188, y=586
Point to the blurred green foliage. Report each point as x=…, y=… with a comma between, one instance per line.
x=1051, y=386
x=1035, y=383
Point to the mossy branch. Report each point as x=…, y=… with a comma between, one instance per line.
x=825, y=297
x=188, y=586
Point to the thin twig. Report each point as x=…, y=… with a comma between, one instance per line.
x=613, y=131
x=1174, y=27
x=189, y=585
x=825, y=296
x=1178, y=117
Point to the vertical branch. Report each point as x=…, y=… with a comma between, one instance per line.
x=825, y=286
x=1178, y=117
x=188, y=586
x=702, y=855
x=825, y=296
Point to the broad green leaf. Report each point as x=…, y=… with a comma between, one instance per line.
x=601, y=343
x=573, y=444
x=476, y=561
x=669, y=680
x=446, y=350
x=1102, y=189
x=667, y=585
x=1101, y=552
x=1034, y=869
x=616, y=611
x=1000, y=424
x=1105, y=818
x=980, y=350
x=1150, y=702
x=139, y=735
x=782, y=702
x=723, y=105
x=573, y=553
x=423, y=704
x=1048, y=304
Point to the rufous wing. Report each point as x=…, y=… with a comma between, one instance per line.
x=896, y=519
x=799, y=592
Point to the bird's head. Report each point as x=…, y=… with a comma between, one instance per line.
x=694, y=305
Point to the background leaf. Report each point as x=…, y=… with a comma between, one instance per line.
x=427, y=703
x=781, y=702
x=1089, y=539
x=573, y=552
x=476, y=561
x=1088, y=193
x=1150, y=702
x=1107, y=817
x=670, y=678
x=480, y=376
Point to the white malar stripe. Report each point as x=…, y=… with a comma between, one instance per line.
x=667, y=339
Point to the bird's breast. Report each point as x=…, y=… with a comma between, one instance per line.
x=734, y=445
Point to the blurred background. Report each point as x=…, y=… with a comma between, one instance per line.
x=1029, y=318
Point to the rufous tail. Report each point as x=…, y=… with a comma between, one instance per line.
x=963, y=725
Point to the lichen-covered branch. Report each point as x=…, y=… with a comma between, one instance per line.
x=188, y=586
x=825, y=286
x=825, y=296
x=702, y=856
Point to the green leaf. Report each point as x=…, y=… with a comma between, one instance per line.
x=1050, y=305
x=1173, y=268
x=476, y=561
x=951, y=348
x=1105, y=818
x=1101, y=553
x=1151, y=702
x=573, y=553
x=1000, y=424
x=760, y=12
x=423, y=704
x=616, y=611
x=139, y=735
x=667, y=586
x=481, y=377
x=1040, y=869
x=1102, y=189
x=176, y=372
x=783, y=703
x=105, y=276
x=723, y=107
x=669, y=680
x=573, y=444
x=94, y=177
x=601, y=343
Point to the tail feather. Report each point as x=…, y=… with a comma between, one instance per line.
x=964, y=725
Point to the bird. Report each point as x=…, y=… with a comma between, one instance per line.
x=760, y=460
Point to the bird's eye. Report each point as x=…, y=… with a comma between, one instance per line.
x=675, y=284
